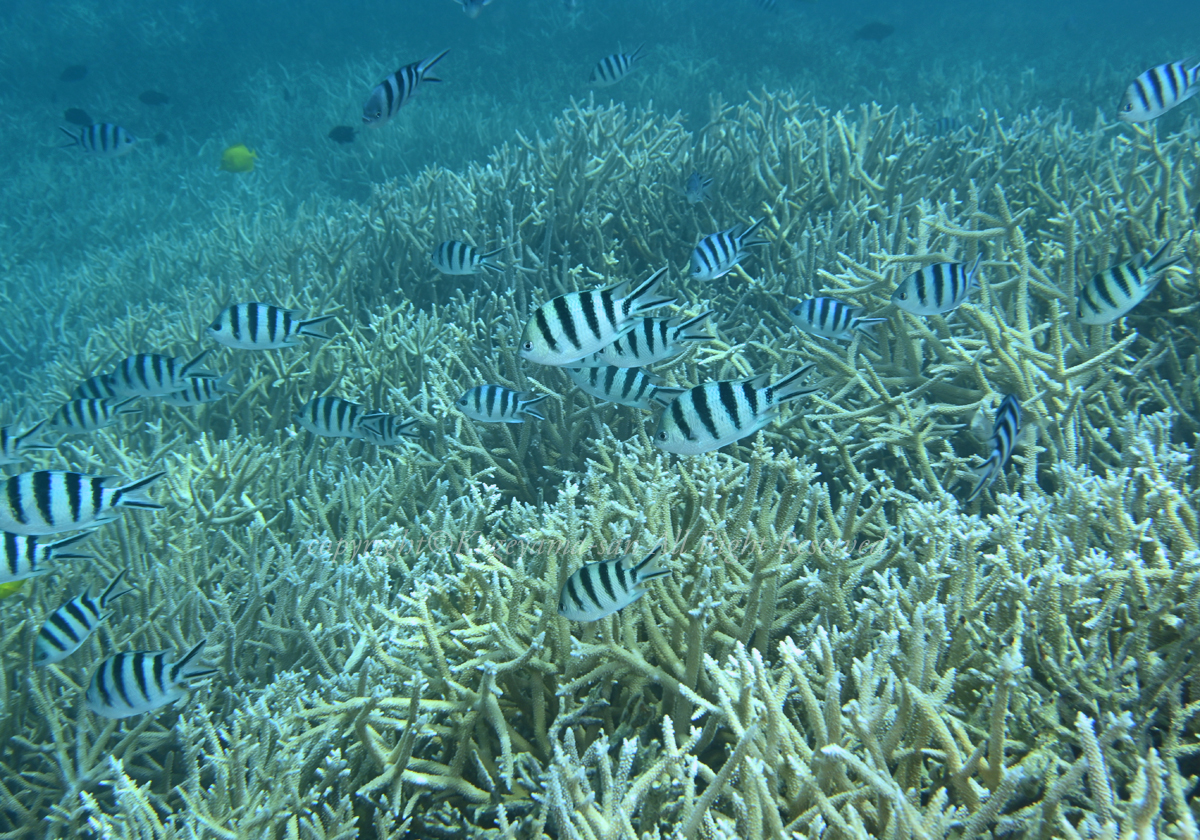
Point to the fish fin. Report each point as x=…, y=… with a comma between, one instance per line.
x=1156, y=264
x=124, y=407
x=691, y=322
x=648, y=568
x=74, y=138
x=973, y=273
x=666, y=396
x=747, y=238
x=222, y=385
x=638, y=297
x=306, y=327
x=201, y=373
x=528, y=412
x=108, y=594
x=187, y=669
x=789, y=388
x=867, y=326
x=131, y=494
x=987, y=474
x=424, y=66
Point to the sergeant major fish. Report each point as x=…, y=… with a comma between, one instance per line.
x=101, y=140
x=719, y=253
x=629, y=386
x=393, y=92
x=152, y=375
x=200, y=391
x=53, y=501
x=14, y=445
x=89, y=415
x=613, y=68
x=136, y=682
x=599, y=589
x=651, y=341
x=1004, y=440
x=24, y=557
x=1158, y=90
x=460, y=259
x=387, y=429
x=497, y=404
x=938, y=288
x=334, y=417
x=1115, y=291
x=68, y=627
x=102, y=386
x=260, y=326
x=828, y=317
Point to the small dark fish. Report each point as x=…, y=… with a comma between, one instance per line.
x=874, y=31
x=77, y=116
x=161, y=139
x=153, y=97
x=342, y=134
x=73, y=73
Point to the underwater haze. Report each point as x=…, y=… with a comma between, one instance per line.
x=599, y=420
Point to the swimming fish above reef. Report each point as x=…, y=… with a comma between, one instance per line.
x=342, y=134
x=392, y=93
x=52, y=501
x=718, y=253
x=937, y=288
x=136, y=682
x=472, y=8
x=77, y=116
x=387, y=429
x=714, y=414
x=154, y=375
x=14, y=445
x=153, y=97
x=25, y=558
x=101, y=140
x=68, y=627
x=102, y=386
x=238, y=159
x=334, y=417
x=89, y=415
x=1004, y=439
x=697, y=188
x=1158, y=90
x=261, y=326
x=874, y=31
x=599, y=589
x=200, y=391
x=1115, y=291
x=497, y=404
x=652, y=340
x=613, y=68
x=461, y=259
x=629, y=386
x=573, y=326
x=828, y=317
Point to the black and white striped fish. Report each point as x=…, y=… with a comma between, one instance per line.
x=718, y=253
x=390, y=95
x=52, y=501
x=24, y=557
x=600, y=589
x=460, y=259
x=1004, y=439
x=200, y=391
x=698, y=188
x=101, y=140
x=90, y=415
x=1158, y=90
x=714, y=414
x=1114, y=291
x=260, y=326
x=629, y=386
x=651, y=341
x=828, y=317
x=152, y=375
x=14, y=444
x=387, y=429
x=613, y=68
x=497, y=404
x=938, y=288
x=575, y=325
x=102, y=386
x=334, y=417
x=132, y=683
x=68, y=627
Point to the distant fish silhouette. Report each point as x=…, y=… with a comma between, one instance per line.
x=73, y=73
x=342, y=134
x=473, y=7
x=153, y=97
x=874, y=31
x=77, y=116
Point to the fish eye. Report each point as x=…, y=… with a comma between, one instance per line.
x=215, y=326
x=662, y=435
x=903, y=296
x=462, y=401
x=1128, y=106
x=528, y=345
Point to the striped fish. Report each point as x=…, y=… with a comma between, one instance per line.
x=260, y=326
x=1158, y=90
x=711, y=415
x=24, y=557
x=90, y=415
x=152, y=375
x=828, y=317
x=200, y=391
x=652, y=340
x=101, y=140
x=387, y=429
x=460, y=259
x=1004, y=440
x=698, y=188
x=390, y=95
x=334, y=417
x=102, y=386
x=68, y=627
x=600, y=589
x=629, y=386
x=575, y=325
x=1114, y=291
x=613, y=68
x=938, y=288
x=14, y=445
x=718, y=253
x=497, y=404
x=132, y=683
x=52, y=501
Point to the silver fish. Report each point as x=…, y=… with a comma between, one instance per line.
x=90, y=415
x=629, y=386
x=497, y=404
x=1158, y=90
x=14, y=445
x=24, y=557
x=101, y=140
x=102, y=386
x=828, y=317
x=718, y=253
x=334, y=417
x=712, y=415
x=260, y=326
x=938, y=288
x=52, y=501
x=600, y=589
x=698, y=188
x=68, y=627
x=200, y=391
x=461, y=259
x=1004, y=439
x=651, y=341
x=1114, y=291
x=152, y=375
x=393, y=92
x=387, y=429
x=136, y=682
x=575, y=325
x=613, y=68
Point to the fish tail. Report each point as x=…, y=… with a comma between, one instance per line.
x=987, y=474
x=789, y=388
x=222, y=386
x=131, y=494
x=306, y=327
x=30, y=439
x=528, y=398
x=74, y=138
x=638, y=300
x=489, y=264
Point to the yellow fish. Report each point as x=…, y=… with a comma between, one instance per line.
x=10, y=588
x=238, y=159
